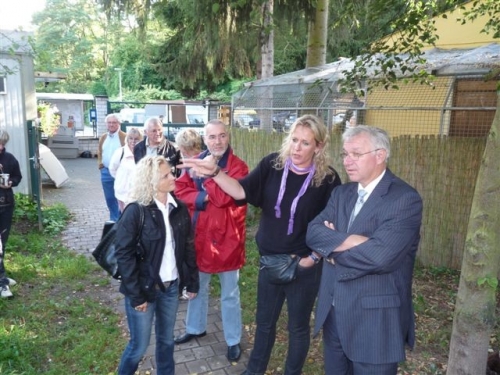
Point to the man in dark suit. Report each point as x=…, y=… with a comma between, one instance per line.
x=368, y=235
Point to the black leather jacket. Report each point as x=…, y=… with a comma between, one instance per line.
x=167, y=150
x=9, y=165
x=140, y=275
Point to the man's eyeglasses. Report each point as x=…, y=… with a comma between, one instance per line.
x=356, y=155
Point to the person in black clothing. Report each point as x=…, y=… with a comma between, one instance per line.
x=154, y=272
x=155, y=143
x=8, y=165
x=291, y=187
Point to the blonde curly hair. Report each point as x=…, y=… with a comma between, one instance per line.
x=321, y=159
x=146, y=179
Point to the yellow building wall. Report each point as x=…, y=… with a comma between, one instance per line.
x=425, y=117
x=452, y=34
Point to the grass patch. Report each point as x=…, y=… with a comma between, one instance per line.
x=57, y=322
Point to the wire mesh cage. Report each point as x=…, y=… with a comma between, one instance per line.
x=458, y=102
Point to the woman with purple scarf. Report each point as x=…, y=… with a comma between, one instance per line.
x=291, y=187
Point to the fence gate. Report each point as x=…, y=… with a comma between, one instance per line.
x=34, y=157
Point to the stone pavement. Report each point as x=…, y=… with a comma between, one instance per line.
x=83, y=196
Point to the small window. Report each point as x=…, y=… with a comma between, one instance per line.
x=3, y=85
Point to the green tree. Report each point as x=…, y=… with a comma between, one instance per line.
x=70, y=39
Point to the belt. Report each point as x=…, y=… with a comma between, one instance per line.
x=330, y=260
x=166, y=284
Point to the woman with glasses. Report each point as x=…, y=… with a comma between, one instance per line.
x=155, y=270
x=122, y=165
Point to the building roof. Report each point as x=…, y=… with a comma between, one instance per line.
x=479, y=60
x=16, y=41
x=64, y=96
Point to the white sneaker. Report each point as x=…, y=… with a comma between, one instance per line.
x=12, y=282
x=5, y=292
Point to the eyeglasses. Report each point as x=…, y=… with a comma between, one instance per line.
x=135, y=140
x=356, y=155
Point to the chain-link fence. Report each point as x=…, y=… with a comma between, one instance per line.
x=461, y=106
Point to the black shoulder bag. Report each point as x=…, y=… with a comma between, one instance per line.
x=105, y=251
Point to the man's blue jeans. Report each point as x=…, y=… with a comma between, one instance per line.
x=300, y=295
x=164, y=310
x=108, y=186
x=196, y=318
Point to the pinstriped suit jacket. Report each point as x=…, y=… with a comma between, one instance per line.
x=370, y=283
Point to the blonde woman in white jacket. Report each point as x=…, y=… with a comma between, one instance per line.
x=122, y=166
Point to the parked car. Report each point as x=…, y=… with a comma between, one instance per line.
x=281, y=121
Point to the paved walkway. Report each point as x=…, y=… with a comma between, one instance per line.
x=83, y=196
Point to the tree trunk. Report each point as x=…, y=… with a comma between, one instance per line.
x=267, y=55
x=476, y=300
x=317, y=37
x=267, y=39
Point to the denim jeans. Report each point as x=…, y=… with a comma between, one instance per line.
x=196, y=318
x=164, y=310
x=300, y=295
x=108, y=186
x=6, y=213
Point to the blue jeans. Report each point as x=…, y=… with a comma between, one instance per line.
x=300, y=295
x=108, y=186
x=164, y=310
x=196, y=318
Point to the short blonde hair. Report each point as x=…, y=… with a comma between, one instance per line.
x=190, y=140
x=146, y=179
x=133, y=132
x=4, y=137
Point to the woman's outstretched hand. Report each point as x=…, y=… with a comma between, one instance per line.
x=199, y=167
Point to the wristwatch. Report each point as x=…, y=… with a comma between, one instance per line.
x=217, y=170
x=314, y=258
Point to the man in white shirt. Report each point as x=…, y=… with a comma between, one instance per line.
x=108, y=143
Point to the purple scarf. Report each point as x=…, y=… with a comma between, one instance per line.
x=311, y=169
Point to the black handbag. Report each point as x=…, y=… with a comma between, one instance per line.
x=105, y=251
x=279, y=268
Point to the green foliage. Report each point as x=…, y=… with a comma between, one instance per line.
x=54, y=218
x=49, y=121
x=149, y=92
x=25, y=209
x=492, y=282
x=56, y=324
x=71, y=39
x=98, y=88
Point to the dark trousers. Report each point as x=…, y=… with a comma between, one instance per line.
x=300, y=295
x=337, y=363
x=6, y=213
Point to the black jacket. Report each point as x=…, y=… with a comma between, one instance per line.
x=167, y=150
x=9, y=165
x=140, y=275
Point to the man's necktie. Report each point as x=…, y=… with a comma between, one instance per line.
x=357, y=207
